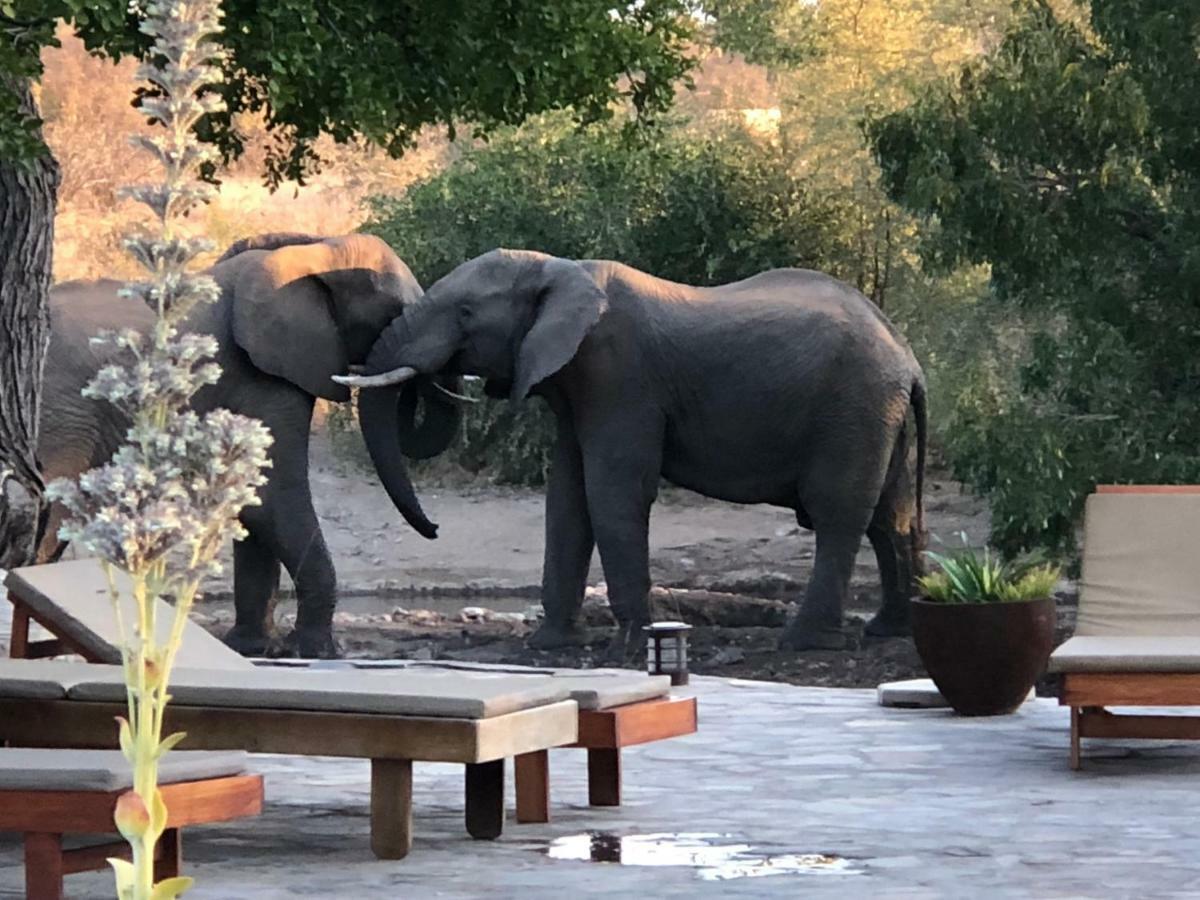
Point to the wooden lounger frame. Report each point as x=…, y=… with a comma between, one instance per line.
x=1088, y=693
x=603, y=733
x=20, y=647
x=45, y=816
x=392, y=743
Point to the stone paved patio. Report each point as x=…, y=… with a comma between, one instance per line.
x=918, y=803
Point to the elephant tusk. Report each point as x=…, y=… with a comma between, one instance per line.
x=458, y=398
x=384, y=379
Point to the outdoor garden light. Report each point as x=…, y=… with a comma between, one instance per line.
x=666, y=650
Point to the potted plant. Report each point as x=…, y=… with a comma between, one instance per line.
x=984, y=629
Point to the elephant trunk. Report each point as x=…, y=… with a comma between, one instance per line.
x=439, y=421
x=379, y=419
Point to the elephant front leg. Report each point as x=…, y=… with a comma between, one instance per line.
x=301, y=548
x=818, y=624
x=256, y=572
x=620, y=494
x=569, y=547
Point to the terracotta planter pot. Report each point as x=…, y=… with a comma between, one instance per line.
x=984, y=657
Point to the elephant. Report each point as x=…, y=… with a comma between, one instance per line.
x=293, y=310
x=789, y=388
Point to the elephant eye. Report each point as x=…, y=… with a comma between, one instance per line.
x=465, y=313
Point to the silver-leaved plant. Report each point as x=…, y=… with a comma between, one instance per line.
x=161, y=509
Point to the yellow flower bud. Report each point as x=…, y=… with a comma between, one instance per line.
x=131, y=815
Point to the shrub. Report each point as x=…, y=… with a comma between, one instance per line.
x=967, y=576
x=687, y=207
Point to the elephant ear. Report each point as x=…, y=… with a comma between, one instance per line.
x=569, y=305
x=283, y=320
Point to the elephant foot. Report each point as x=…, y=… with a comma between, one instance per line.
x=248, y=641
x=310, y=643
x=882, y=626
x=554, y=635
x=627, y=648
x=810, y=638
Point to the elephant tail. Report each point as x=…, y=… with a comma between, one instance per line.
x=917, y=398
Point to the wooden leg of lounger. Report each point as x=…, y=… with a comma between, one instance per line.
x=604, y=776
x=18, y=642
x=485, y=800
x=533, y=786
x=43, y=866
x=168, y=861
x=1075, y=763
x=391, y=808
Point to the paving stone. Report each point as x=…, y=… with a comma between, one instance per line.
x=920, y=803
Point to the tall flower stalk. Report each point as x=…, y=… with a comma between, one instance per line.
x=169, y=499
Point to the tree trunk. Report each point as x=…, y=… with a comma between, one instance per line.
x=27, y=193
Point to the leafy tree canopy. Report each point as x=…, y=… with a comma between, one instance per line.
x=382, y=69
x=1067, y=161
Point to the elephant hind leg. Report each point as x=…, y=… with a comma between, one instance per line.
x=839, y=494
x=818, y=624
x=895, y=537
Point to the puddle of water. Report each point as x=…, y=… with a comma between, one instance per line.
x=704, y=852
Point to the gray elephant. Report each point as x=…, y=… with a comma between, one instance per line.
x=294, y=310
x=788, y=388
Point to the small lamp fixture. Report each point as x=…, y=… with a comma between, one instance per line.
x=666, y=650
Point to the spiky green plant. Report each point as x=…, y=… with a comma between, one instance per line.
x=170, y=498
x=970, y=576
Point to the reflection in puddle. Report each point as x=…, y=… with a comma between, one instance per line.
x=713, y=861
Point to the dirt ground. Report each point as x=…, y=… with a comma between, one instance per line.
x=472, y=594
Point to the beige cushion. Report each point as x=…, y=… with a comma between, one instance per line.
x=72, y=599
x=1141, y=565
x=106, y=770
x=590, y=688
x=401, y=692
x=48, y=679
x=1135, y=653
x=600, y=689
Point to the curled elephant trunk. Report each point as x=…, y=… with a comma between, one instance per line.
x=440, y=416
x=383, y=423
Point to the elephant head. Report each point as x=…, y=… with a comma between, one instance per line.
x=513, y=317
x=305, y=309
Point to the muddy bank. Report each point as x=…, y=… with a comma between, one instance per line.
x=472, y=594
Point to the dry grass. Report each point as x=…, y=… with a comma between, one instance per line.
x=86, y=105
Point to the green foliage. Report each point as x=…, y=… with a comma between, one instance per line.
x=1066, y=161
x=774, y=33
x=967, y=576
x=383, y=69
x=512, y=444
x=687, y=207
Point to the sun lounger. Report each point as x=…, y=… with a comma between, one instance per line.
x=46, y=794
x=390, y=718
x=1137, y=636
x=617, y=708
x=71, y=601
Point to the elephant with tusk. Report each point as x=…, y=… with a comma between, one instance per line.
x=294, y=311
x=788, y=388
